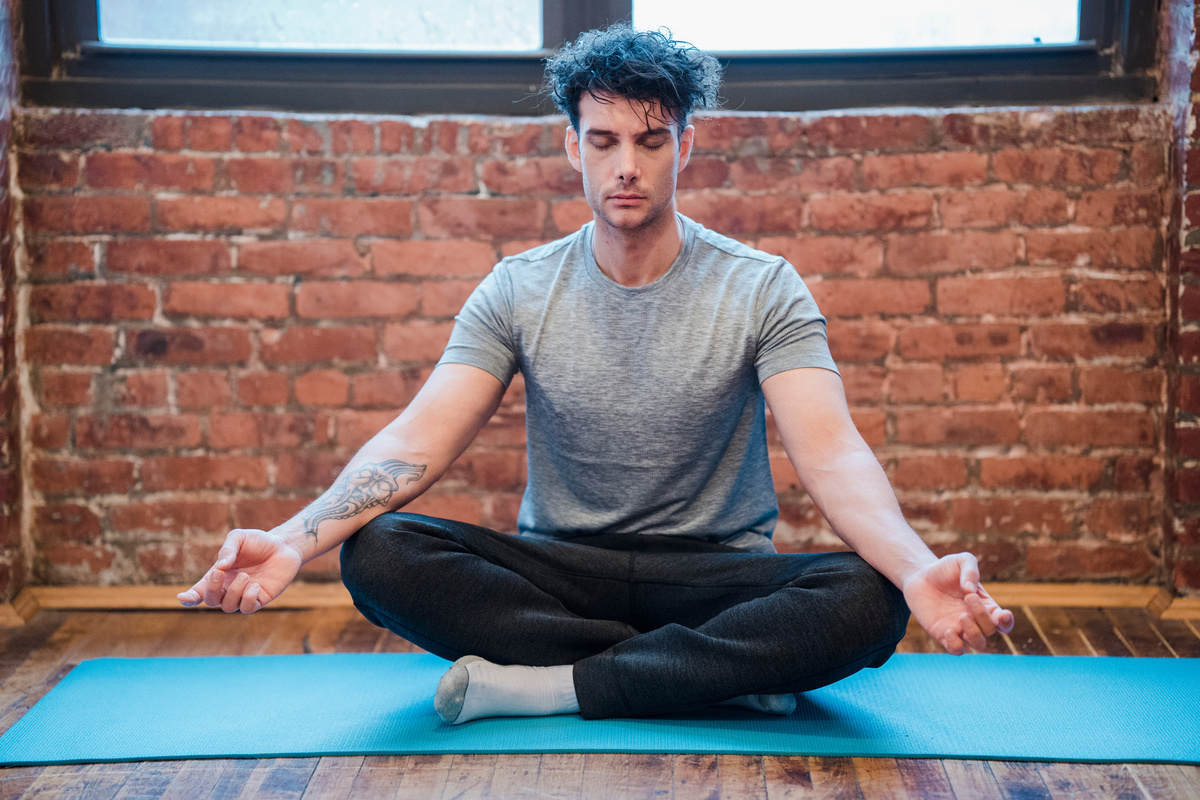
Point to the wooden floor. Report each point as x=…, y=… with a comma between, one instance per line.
x=35, y=657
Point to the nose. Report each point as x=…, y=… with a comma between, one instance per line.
x=627, y=164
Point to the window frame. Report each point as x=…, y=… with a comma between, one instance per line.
x=63, y=64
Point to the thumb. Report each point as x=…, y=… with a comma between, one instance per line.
x=968, y=572
x=228, y=552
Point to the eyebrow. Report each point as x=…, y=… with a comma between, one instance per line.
x=660, y=131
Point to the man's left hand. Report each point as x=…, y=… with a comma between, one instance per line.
x=949, y=602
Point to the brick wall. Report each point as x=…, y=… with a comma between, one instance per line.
x=12, y=554
x=223, y=307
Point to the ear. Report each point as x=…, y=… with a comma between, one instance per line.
x=572, y=147
x=685, y=145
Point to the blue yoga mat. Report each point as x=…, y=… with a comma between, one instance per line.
x=916, y=706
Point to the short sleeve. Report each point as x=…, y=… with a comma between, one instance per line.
x=483, y=330
x=791, y=330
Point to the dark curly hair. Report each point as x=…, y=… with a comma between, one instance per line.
x=647, y=66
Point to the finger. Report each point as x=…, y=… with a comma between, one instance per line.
x=250, y=601
x=192, y=596
x=214, y=587
x=953, y=644
x=1002, y=618
x=971, y=633
x=228, y=552
x=979, y=613
x=233, y=595
x=968, y=572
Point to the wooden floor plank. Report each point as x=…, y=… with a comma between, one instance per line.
x=1059, y=631
x=424, y=776
x=972, y=780
x=1097, y=629
x=1165, y=781
x=15, y=780
x=150, y=780
x=90, y=781
x=742, y=777
x=605, y=776
x=560, y=776
x=651, y=774
x=697, y=777
x=196, y=779
x=1019, y=780
x=812, y=776
x=916, y=640
x=1099, y=781
x=515, y=776
x=1024, y=637
x=333, y=778
x=359, y=636
x=470, y=776
x=925, y=778
x=1133, y=627
x=323, y=635
x=879, y=778
x=1179, y=636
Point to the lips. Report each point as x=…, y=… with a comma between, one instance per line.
x=627, y=198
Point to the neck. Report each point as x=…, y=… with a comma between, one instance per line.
x=636, y=258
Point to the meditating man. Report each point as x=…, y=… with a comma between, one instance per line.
x=644, y=579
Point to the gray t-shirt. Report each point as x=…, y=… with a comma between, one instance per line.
x=644, y=412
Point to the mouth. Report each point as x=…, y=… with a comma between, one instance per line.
x=626, y=198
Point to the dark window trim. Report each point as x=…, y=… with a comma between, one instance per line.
x=64, y=65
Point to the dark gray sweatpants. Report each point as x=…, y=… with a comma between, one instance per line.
x=652, y=624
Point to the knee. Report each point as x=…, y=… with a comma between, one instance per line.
x=372, y=554
x=876, y=597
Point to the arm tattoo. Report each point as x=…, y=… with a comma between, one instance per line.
x=366, y=487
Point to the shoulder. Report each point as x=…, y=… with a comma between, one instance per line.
x=723, y=246
x=548, y=253
x=729, y=256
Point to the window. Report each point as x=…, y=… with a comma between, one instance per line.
x=485, y=56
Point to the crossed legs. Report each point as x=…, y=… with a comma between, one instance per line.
x=649, y=624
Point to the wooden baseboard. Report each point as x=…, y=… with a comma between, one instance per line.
x=334, y=595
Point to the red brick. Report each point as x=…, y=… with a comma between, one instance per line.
x=518, y=246
x=734, y=214
x=1011, y=515
x=351, y=136
x=1147, y=163
x=417, y=340
x=929, y=472
x=871, y=424
x=761, y=133
x=171, y=516
x=1122, y=516
x=325, y=258
x=445, y=298
x=59, y=257
x=353, y=217
x=265, y=513
x=933, y=253
x=49, y=345
x=958, y=426
x=1041, y=473
x=1187, y=442
x=305, y=138
x=310, y=345
x=412, y=175
x=256, y=134
x=704, y=173
x=309, y=470
x=354, y=428
x=91, y=302
x=1057, y=166
x=260, y=388
x=955, y=169
x=1116, y=385
x=349, y=299
x=512, y=138
x=570, y=215
x=863, y=385
x=459, y=507
x=158, y=257
x=227, y=300
x=488, y=470
x=1189, y=303
x=190, y=345
x=65, y=561
x=1189, y=393
x=262, y=429
x=1117, y=295
x=844, y=213
x=828, y=255
x=261, y=175
x=1086, y=560
x=203, y=389
x=1187, y=485
x=1130, y=248
x=1052, y=427
x=209, y=132
x=860, y=341
x=856, y=132
x=1042, y=383
x=55, y=170
x=916, y=383
x=863, y=297
x=481, y=217
x=57, y=388
x=149, y=171
x=502, y=512
x=982, y=129
x=66, y=523
x=318, y=175
x=1001, y=207
x=220, y=214
x=1134, y=474
x=138, y=431
x=1116, y=207
x=52, y=476
x=396, y=137
x=324, y=387
x=979, y=383
x=792, y=175
x=1006, y=295
x=1070, y=341
x=384, y=388
x=50, y=431
x=83, y=129
x=924, y=342
x=168, y=133
x=432, y=258
x=1185, y=577
x=1189, y=347
x=194, y=473
x=87, y=214
x=528, y=176
x=504, y=429
x=141, y=388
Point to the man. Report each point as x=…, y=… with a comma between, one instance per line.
x=644, y=580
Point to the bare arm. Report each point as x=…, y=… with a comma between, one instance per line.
x=844, y=479
x=398, y=464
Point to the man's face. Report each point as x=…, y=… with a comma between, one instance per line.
x=629, y=156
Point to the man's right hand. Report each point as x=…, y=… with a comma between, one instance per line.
x=252, y=568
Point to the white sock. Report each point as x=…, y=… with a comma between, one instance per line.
x=781, y=704
x=474, y=688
